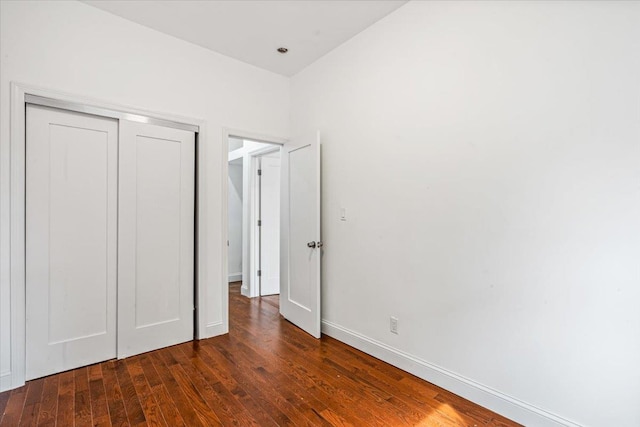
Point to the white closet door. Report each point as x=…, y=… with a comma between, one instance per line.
x=156, y=237
x=71, y=232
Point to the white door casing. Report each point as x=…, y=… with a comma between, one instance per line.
x=156, y=237
x=270, y=224
x=71, y=238
x=300, y=233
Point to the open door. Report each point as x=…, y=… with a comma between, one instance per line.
x=300, y=234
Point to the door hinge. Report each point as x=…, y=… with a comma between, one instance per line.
x=259, y=273
x=259, y=223
x=259, y=172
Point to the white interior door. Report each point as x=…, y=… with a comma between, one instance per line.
x=270, y=224
x=71, y=235
x=156, y=237
x=300, y=234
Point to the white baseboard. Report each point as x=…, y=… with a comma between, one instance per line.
x=235, y=277
x=494, y=400
x=5, y=381
x=214, y=329
x=244, y=291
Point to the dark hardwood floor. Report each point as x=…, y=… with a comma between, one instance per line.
x=265, y=372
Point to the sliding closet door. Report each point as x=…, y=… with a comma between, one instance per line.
x=156, y=237
x=71, y=232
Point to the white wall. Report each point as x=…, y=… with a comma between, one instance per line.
x=235, y=221
x=75, y=48
x=488, y=155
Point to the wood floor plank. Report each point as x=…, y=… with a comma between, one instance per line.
x=224, y=371
x=15, y=405
x=279, y=395
x=49, y=406
x=4, y=399
x=389, y=376
x=152, y=412
x=298, y=368
x=135, y=415
x=66, y=399
x=223, y=403
x=271, y=377
x=406, y=414
x=182, y=403
x=168, y=408
x=113, y=393
x=315, y=396
x=466, y=409
x=82, y=398
x=247, y=384
x=334, y=419
x=149, y=370
x=197, y=402
x=99, y=406
x=170, y=411
x=415, y=402
x=188, y=386
x=304, y=372
x=32, y=403
x=265, y=372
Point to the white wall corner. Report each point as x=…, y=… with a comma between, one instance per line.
x=500, y=403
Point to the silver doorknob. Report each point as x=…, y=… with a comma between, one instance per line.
x=311, y=244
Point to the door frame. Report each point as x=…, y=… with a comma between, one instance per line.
x=247, y=213
x=17, y=262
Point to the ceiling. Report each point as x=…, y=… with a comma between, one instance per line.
x=252, y=30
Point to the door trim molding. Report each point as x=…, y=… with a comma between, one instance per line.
x=19, y=93
x=112, y=114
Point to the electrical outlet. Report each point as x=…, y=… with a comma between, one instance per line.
x=393, y=323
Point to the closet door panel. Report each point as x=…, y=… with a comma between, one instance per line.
x=156, y=237
x=71, y=220
x=157, y=231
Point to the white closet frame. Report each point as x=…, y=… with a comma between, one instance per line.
x=20, y=95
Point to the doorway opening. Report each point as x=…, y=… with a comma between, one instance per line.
x=300, y=244
x=254, y=217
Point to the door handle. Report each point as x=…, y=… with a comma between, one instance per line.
x=311, y=244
